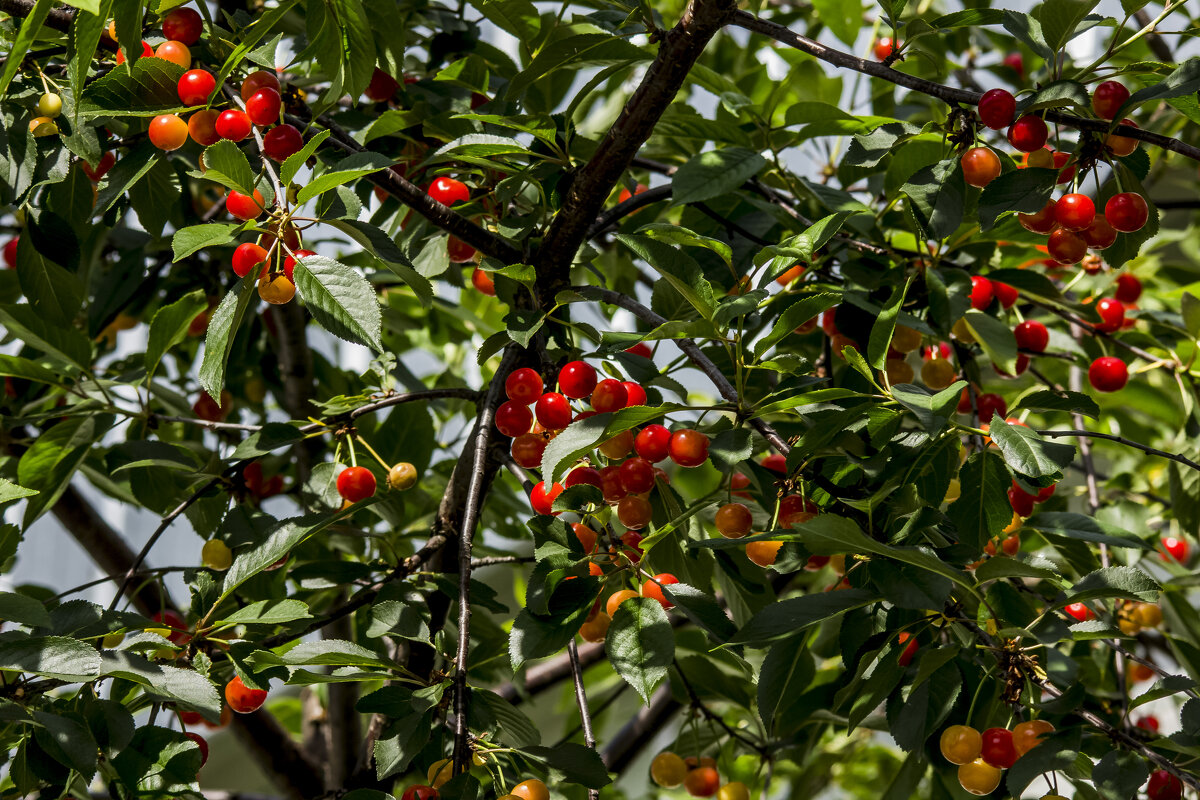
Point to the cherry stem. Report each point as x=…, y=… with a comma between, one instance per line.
x=386, y=466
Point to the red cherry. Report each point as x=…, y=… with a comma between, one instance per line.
x=1020, y=500
x=1075, y=212
x=1016, y=62
x=980, y=166
x=481, y=279
x=1029, y=133
x=640, y=349
x=179, y=628
x=637, y=475
x=147, y=52
x=281, y=142
x=192, y=717
x=381, y=88
x=202, y=744
x=652, y=443
x=910, y=650
x=1040, y=221
x=1066, y=247
x=553, y=411
x=998, y=749
x=257, y=80
x=102, y=166
x=448, y=191
x=513, y=418
x=635, y=394
x=1108, y=98
x=233, y=124
x=524, y=385
x=242, y=698
x=652, y=588
x=419, y=791
x=1127, y=211
x=1163, y=786
x=459, y=251
x=588, y=475
x=264, y=106
x=688, y=448
x=1112, y=314
x=1006, y=294
x=981, y=292
x=356, y=484
x=1080, y=612
x=1100, y=234
x=990, y=404
x=542, y=500
x=1032, y=335
x=246, y=257
x=1060, y=161
x=997, y=108
x=610, y=484
x=10, y=252
x=289, y=263
x=1129, y=288
x=884, y=48
x=527, y=450
x=1148, y=723
x=183, y=25
x=1177, y=549
x=577, y=379
x=195, y=87
x=609, y=395
x=1108, y=374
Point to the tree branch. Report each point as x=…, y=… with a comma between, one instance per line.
x=1154, y=451
x=585, y=716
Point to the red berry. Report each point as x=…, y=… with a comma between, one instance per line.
x=242, y=698
x=588, y=475
x=609, y=395
x=1066, y=247
x=1032, y=335
x=243, y=206
x=775, y=462
x=577, y=379
x=542, y=500
x=356, y=484
x=419, y=791
x=640, y=349
x=202, y=744
x=1177, y=549
x=513, y=418
x=179, y=632
x=448, y=191
x=1108, y=98
x=1029, y=133
x=1020, y=500
x=990, y=404
x=637, y=475
x=195, y=87
x=1127, y=211
x=289, y=263
x=1112, y=314
x=202, y=127
x=1080, y=612
x=1006, y=294
x=524, y=385
x=1108, y=374
x=635, y=394
x=1148, y=723
x=1163, y=786
x=527, y=450
x=246, y=257
x=652, y=588
x=980, y=166
x=258, y=80
x=264, y=106
x=1100, y=234
x=183, y=25
x=102, y=167
x=10, y=252
x=981, y=292
x=910, y=650
x=1075, y=212
x=998, y=749
x=652, y=443
x=553, y=411
x=997, y=108
x=688, y=448
x=167, y=132
x=281, y=142
x=233, y=124
x=481, y=279
x=459, y=251
x=1039, y=221
x=1129, y=288
x=147, y=52
x=381, y=88
x=884, y=48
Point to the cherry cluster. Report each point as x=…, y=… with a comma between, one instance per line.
x=442, y=771
x=982, y=757
x=697, y=775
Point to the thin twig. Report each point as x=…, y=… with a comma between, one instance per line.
x=1154, y=451
x=585, y=716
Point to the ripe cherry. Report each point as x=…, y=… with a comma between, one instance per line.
x=652, y=588
x=513, y=418
x=688, y=448
x=979, y=778
x=1032, y=335
x=264, y=106
x=527, y=450
x=1173, y=548
x=202, y=744
x=289, y=262
x=523, y=385
x=634, y=393
x=981, y=292
x=705, y=781
x=609, y=395
x=1108, y=98
x=998, y=749
x=997, y=108
x=244, y=206
x=168, y=132
x=1005, y=293
x=910, y=650
x=1108, y=374
x=481, y=279
x=356, y=484
x=246, y=257
x=586, y=475
x=1100, y=234
x=175, y=52
x=634, y=512
x=1080, y=612
x=233, y=124
x=553, y=411
x=1075, y=212
x=577, y=379
x=990, y=404
x=202, y=127
x=763, y=553
x=1148, y=723
x=615, y=602
x=257, y=80
x=1129, y=288
x=637, y=475
x=1122, y=145
x=1020, y=500
x=652, y=443
x=448, y=191
x=595, y=628
x=1029, y=133
x=1028, y=735
x=242, y=698
x=1127, y=211
x=542, y=499
x=790, y=274
x=733, y=520
x=640, y=349
x=1065, y=173
x=1066, y=247
x=1112, y=314
x=282, y=141
x=10, y=254
x=618, y=446
x=381, y=88
x=775, y=462
x=1015, y=62
x=1039, y=221
x=183, y=25
x=1163, y=786
x=195, y=87
x=980, y=166
x=102, y=166
x=884, y=48
x=960, y=744
x=147, y=52
x=177, y=628
x=458, y=251
x=419, y=791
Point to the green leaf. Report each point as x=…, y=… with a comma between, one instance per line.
x=31, y=26
x=67, y=740
x=932, y=409
x=17, y=367
x=714, y=173
x=641, y=644
x=10, y=492
x=267, y=612
x=128, y=170
x=517, y=17
x=67, y=343
x=51, y=657
x=1060, y=18
x=1119, y=774
x=938, y=197
x=1039, y=461
x=790, y=616
x=578, y=51
x=348, y=169
x=843, y=17
x=285, y=535
x=19, y=608
x=1049, y=756
x=158, y=762
x=226, y=164
x=342, y=300
x=169, y=326
x=173, y=684
x=995, y=337
x=48, y=465
x=885, y=326
x=1185, y=80
x=1059, y=94
x=1084, y=528
x=333, y=653
x=296, y=161
x=982, y=510
x=913, y=719
x=796, y=315
x=1024, y=190
x=146, y=88
x=1127, y=582
x=535, y=636
x=83, y=39
x=584, y=435
x=218, y=342
x=680, y=270
x=1060, y=400
x=785, y=674
x=998, y=567
x=577, y=763
x=702, y=609
x=53, y=292
x=516, y=729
